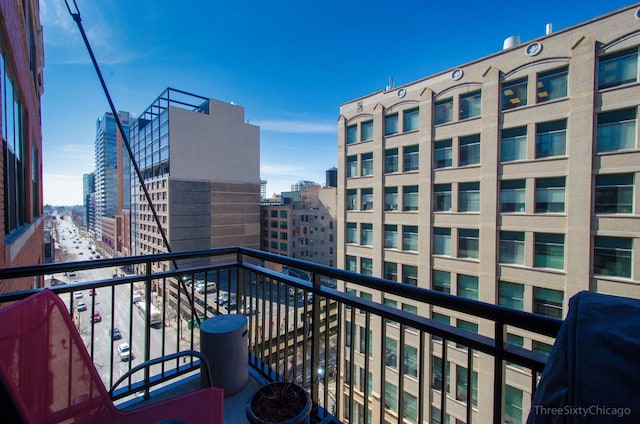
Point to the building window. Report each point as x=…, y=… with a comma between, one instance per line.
x=366, y=234
x=410, y=237
x=469, y=197
x=366, y=266
x=437, y=382
x=511, y=295
x=391, y=198
x=391, y=161
x=541, y=347
x=441, y=281
x=440, y=318
x=410, y=361
x=549, y=251
x=513, y=144
x=514, y=94
x=512, y=196
x=352, y=166
x=352, y=232
x=468, y=243
x=366, y=131
x=367, y=199
x=616, y=130
x=352, y=263
x=467, y=286
x=410, y=275
x=410, y=155
x=391, y=271
x=391, y=124
x=283, y=215
x=618, y=68
x=410, y=120
x=410, y=198
x=469, y=151
x=552, y=84
x=367, y=164
x=352, y=134
x=470, y=105
x=512, y=405
x=390, y=396
x=511, y=247
x=613, y=256
x=364, y=335
x=274, y=214
x=551, y=138
x=443, y=111
x=442, y=241
x=614, y=193
x=442, y=154
x=550, y=195
x=390, y=236
x=410, y=407
x=352, y=199
x=547, y=302
x=442, y=197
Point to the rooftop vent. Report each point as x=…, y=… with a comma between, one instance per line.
x=512, y=41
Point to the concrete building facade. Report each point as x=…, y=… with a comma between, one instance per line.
x=513, y=180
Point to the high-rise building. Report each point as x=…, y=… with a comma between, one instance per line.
x=111, y=177
x=200, y=163
x=21, y=86
x=88, y=188
x=303, y=184
x=511, y=179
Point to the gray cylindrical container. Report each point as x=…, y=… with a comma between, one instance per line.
x=223, y=340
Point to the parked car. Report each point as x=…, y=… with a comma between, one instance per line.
x=124, y=351
x=115, y=334
x=78, y=295
x=97, y=317
x=210, y=287
x=81, y=306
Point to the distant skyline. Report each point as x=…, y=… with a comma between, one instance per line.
x=289, y=64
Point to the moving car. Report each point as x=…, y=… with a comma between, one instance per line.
x=115, y=334
x=124, y=351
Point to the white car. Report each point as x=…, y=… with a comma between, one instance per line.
x=78, y=295
x=124, y=351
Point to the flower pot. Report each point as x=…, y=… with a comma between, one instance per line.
x=280, y=402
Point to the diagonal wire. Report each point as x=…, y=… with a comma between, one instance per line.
x=76, y=17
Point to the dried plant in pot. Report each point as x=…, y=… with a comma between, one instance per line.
x=279, y=402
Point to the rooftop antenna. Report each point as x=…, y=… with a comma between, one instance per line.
x=76, y=17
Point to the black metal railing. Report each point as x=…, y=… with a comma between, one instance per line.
x=362, y=346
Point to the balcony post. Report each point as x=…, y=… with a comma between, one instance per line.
x=315, y=341
x=147, y=326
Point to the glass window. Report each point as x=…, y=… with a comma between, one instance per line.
x=468, y=243
x=461, y=383
x=366, y=267
x=549, y=251
x=613, y=256
x=366, y=131
x=352, y=134
x=390, y=236
x=366, y=234
x=547, y=302
x=391, y=198
x=410, y=237
x=550, y=194
x=391, y=271
x=552, y=84
x=442, y=241
x=541, y=347
x=410, y=275
x=410, y=361
x=410, y=198
x=470, y=104
x=352, y=263
x=364, y=335
x=511, y=247
x=469, y=151
x=442, y=154
x=442, y=197
x=437, y=382
x=410, y=120
x=367, y=199
x=513, y=144
x=283, y=214
x=467, y=286
x=511, y=295
x=551, y=139
x=410, y=407
x=512, y=196
x=367, y=164
x=616, y=130
x=469, y=197
x=391, y=124
x=390, y=396
x=443, y=111
x=352, y=166
x=618, y=68
x=352, y=199
x=514, y=94
x=441, y=281
x=410, y=155
x=390, y=161
x=512, y=405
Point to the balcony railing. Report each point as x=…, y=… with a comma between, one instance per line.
x=367, y=349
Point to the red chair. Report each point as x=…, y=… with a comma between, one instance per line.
x=50, y=377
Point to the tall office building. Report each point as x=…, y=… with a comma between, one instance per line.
x=88, y=188
x=21, y=86
x=200, y=162
x=112, y=169
x=511, y=179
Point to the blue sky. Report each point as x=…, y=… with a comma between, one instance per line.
x=290, y=64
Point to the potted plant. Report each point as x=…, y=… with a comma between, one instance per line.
x=279, y=402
